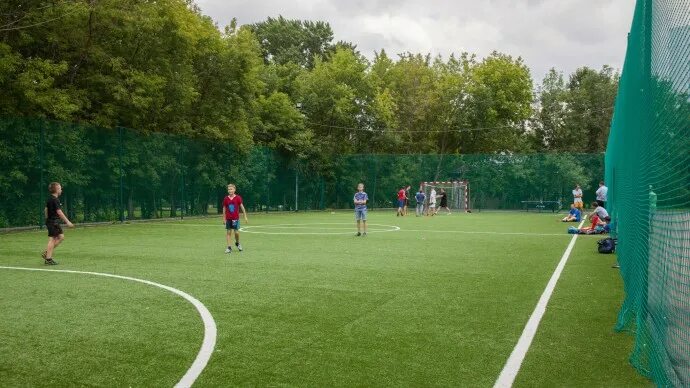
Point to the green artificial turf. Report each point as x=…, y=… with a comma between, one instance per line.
x=439, y=302
x=576, y=344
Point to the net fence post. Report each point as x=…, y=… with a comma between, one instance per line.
x=296, y=186
x=373, y=192
x=41, y=166
x=121, y=196
x=183, y=206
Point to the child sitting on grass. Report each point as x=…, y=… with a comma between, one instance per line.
x=574, y=215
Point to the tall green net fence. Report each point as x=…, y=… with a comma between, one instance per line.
x=121, y=174
x=648, y=172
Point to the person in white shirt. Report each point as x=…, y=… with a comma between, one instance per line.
x=432, y=203
x=577, y=198
x=600, y=212
x=602, y=193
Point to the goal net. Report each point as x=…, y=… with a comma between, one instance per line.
x=458, y=193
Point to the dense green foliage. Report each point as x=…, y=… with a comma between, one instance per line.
x=165, y=71
x=441, y=302
x=164, y=67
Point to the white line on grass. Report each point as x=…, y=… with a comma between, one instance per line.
x=266, y=229
x=512, y=366
x=482, y=232
x=209, y=341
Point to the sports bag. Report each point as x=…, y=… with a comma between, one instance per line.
x=606, y=245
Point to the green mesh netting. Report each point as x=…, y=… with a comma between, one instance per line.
x=122, y=174
x=648, y=173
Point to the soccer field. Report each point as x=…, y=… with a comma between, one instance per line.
x=429, y=301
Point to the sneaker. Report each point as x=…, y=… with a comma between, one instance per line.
x=228, y=250
x=239, y=247
x=364, y=234
x=358, y=234
x=615, y=266
x=44, y=255
x=50, y=261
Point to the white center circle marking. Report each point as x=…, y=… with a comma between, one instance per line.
x=207, y=344
x=325, y=228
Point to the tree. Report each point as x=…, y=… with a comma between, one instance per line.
x=549, y=122
x=336, y=99
x=293, y=41
x=591, y=95
x=499, y=102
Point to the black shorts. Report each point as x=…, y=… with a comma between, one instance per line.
x=232, y=224
x=54, y=228
x=601, y=203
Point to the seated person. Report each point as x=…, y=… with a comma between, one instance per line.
x=600, y=212
x=574, y=215
x=597, y=226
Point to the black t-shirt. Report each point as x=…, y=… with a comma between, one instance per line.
x=444, y=200
x=53, y=204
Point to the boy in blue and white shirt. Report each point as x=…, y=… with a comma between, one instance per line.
x=360, y=200
x=574, y=215
x=421, y=198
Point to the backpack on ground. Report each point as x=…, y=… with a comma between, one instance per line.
x=607, y=245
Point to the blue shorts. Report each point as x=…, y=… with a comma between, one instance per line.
x=232, y=224
x=401, y=203
x=361, y=215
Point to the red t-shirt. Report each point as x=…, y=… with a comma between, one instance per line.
x=401, y=194
x=595, y=220
x=232, y=207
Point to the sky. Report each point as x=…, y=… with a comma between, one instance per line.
x=564, y=34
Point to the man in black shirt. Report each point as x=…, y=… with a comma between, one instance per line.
x=444, y=201
x=54, y=214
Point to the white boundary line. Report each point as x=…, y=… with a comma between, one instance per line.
x=247, y=229
x=512, y=366
x=210, y=331
x=480, y=232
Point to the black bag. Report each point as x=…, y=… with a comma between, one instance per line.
x=607, y=245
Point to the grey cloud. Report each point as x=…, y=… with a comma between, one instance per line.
x=564, y=34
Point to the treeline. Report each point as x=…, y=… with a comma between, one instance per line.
x=164, y=67
x=284, y=85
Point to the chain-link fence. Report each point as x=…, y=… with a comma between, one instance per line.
x=121, y=174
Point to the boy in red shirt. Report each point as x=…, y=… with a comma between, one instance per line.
x=401, y=201
x=232, y=204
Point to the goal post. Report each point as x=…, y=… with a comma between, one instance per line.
x=458, y=193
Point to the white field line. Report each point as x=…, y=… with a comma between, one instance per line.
x=512, y=366
x=209, y=341
x=482, y=232
x=248, y=229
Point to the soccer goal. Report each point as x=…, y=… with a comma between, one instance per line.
x=458, y=193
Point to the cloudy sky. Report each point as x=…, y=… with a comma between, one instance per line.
x=564, y=34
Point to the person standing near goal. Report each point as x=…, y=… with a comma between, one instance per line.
x=360, y=200
x=407, y=199
x=421, y=198
x=232, y=204
x=444, y=201
x=432, y=203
